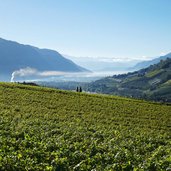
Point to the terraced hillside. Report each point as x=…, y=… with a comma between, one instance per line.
x=48, y=129
x=152, y=83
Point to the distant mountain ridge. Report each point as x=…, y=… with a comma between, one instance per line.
x=103, y=64
x=14, y=56
x=145, y=64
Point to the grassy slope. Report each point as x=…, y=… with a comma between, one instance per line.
x=45, y=129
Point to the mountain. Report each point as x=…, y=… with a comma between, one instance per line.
x=99, y=64
x=145, y=64
x=152, y=83
x=14, y=56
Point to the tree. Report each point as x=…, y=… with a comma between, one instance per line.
x=77, y=89
x=80, y=90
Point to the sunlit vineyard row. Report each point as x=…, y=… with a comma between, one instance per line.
x=48, y=129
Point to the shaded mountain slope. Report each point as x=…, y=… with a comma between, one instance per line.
x=14, y=56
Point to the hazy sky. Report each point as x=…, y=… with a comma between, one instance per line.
x=110, y=28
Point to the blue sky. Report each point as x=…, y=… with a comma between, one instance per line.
x=100, y=28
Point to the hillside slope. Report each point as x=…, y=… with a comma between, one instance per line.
x=14, y=56
x=48, y=129
x=151, y=83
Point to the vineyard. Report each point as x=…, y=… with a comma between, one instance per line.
x=49, y=129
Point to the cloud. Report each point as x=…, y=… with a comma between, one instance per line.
x=164, y=53
x=51, y=73
x=107, y=59
x=23, y=72
x=33, y=72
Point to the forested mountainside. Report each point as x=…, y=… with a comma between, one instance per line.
x=153, y=83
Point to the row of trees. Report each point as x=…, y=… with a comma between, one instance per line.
x=79, y=89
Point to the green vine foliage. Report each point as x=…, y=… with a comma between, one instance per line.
x=48, y=129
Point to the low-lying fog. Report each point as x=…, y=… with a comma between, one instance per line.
x=31, y=74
